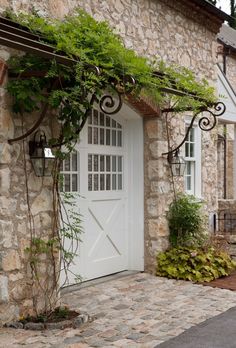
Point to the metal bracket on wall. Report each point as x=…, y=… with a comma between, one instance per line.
x=206, y=123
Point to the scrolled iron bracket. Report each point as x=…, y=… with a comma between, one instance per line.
x=111, y=103
x=208, y=123
x=205, y=123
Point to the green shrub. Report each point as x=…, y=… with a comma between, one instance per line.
x=186, y=221
x=195, y=264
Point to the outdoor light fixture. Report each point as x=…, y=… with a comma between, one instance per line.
x=177, y=163
x=41, y=155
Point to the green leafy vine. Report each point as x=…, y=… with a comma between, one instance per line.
x=89, y=42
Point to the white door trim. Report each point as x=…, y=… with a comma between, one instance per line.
x=135, y=149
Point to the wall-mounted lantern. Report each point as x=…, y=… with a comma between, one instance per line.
x=41, y=155
x=177, y=163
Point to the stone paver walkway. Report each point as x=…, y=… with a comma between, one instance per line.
x=135, y=311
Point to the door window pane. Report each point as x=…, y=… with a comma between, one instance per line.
x=90, y=159
x=101, y=119
x=70, y=173
x=95, y=182
x=108, y=121
x=104, y=130
x=114, y=163
x=95, y=163
x=102, y=137
x=90, y=135
x=108, y=163
x=95, y=135
x=108, y=181
x=90, y=182
x=119, y=163
x=108, y=135
x=113, y=138
x=67, y=182
x=102, y=182
x=74, y=182
x=105, y=172
x=119, y=182
x=74, y=162
x=113, y=181
x=102, y=163
x=119, y=138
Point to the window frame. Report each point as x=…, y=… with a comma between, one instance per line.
x=195, y=161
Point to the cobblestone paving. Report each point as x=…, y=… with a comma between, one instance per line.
x=135, y=311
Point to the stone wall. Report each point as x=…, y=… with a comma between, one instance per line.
x=157, y=190
x=17, y=292
x=177, y=33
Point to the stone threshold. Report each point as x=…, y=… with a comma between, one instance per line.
x=93, y=282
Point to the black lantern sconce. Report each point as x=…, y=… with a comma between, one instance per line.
x=41, y=155
x=177, y=163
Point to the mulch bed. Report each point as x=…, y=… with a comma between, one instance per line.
x=228, y=282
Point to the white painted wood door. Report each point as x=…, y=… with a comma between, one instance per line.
x=104, y=198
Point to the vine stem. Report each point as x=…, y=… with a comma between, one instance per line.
x=30, y=217
x=169, y=148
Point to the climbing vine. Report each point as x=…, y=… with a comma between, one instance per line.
x=92, y=44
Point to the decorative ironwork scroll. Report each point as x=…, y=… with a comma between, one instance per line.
x=208, y=123
x=205, y=123
x=111, y=103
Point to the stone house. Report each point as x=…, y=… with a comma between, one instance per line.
x=123, y=206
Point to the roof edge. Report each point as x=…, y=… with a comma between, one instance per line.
x=231, y=48
x=212, y=9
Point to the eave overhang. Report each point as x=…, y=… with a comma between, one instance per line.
x=208, y=7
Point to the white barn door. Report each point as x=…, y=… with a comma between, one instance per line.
x=106, y=193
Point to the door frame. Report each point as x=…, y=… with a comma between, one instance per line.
x=135, y=185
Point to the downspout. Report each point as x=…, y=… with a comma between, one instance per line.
x=224, y=134
x=225, y=164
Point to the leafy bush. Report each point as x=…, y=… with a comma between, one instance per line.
x=186, y=221
x=195, y=264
